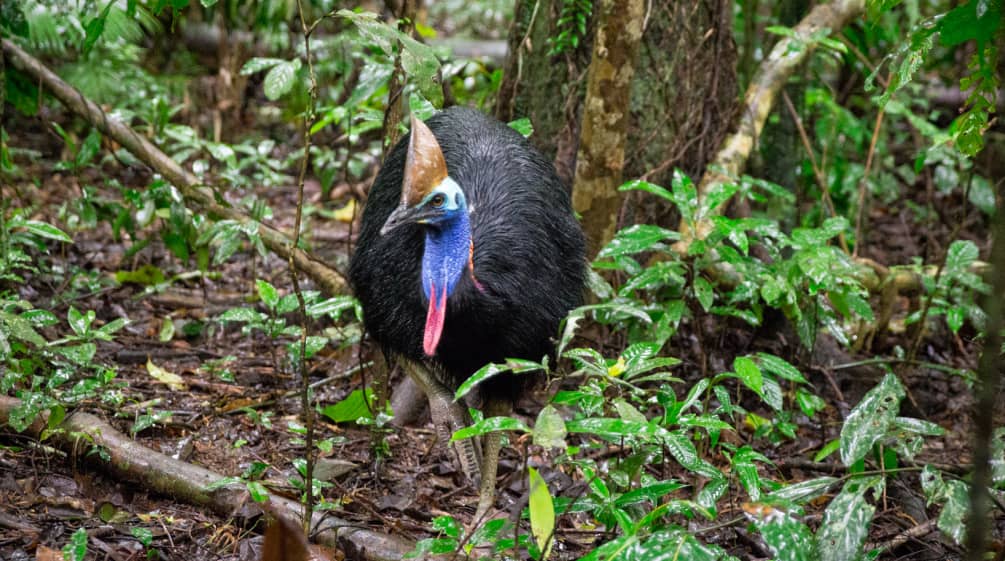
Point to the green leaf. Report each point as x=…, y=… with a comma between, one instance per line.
x=356, y=405
x=870, y=420
x=667, y=544
x=45, y=230
x=637, y=238
x=522, y=126
x=484, y=373
x=243, y=315
x=779, y=367
x=94, y=28
x=788, y=538
x=76, y=549
x=976, y=19
x=279, y=81
x=605, y=426
x=21, y=329
x=639, y=185
x=542, y=512
x=492, y=424
x=804, y=490
x=746, y=470
x=827, y=450
x=258, y=491
x=549, y=429
x=749, y=373
x=81, y=355
x=628, y=412
x=704, y=293
x=257, y=64
x=961, y=255
x=845, y=525
x=268, y=293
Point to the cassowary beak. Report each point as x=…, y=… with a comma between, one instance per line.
x=405, y=214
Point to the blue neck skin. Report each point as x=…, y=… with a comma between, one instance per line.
x=448, y=250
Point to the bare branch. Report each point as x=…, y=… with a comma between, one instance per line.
x=196, y=194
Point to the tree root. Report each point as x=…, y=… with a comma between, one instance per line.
x=128, y=460
x=195, y=193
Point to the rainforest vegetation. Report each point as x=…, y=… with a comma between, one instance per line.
x=790, y=342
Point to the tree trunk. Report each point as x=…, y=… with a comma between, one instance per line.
x=601, y=156
x=683, y=95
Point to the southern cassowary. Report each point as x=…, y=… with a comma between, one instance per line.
x=469, y=253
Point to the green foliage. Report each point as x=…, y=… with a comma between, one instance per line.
x=571, y=26
x=976, y=20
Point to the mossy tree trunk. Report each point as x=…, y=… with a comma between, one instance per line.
x=683, y=96
x=601, y=156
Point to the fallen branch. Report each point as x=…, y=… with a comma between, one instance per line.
x=787, y=55
x=195, y=193
x=131, y=461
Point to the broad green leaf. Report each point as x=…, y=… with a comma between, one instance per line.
x=354, y=406
x=827, y=450
x=46, y=230
x=668, y=544
x=653, y=189
x=788, y=538
x=244, y=315
x=779, y=367
x=76, y=549
x=268, y=293
x=542, y=513
x=713, y=490
x=604, y=426
x=804, y=490
x=522, y=126
x=845, y=525
x=21, y=329
x=749, y=373
x=746, y=470
x=492, y=424
x=94, y=28
x=961, y=254
x=637, y=238
x=651, y=493
x=628, y=412
x=279, y=81
x=257, y=64
x=549, y=430
x=81, y=354
x=704, y=293
x=484, y=373
x=869, y=421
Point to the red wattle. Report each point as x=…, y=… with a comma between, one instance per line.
x=434, y=320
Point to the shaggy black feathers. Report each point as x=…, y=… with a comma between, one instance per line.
x=529, y=253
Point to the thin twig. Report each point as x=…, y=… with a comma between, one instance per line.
x=305, y=398
x=864, y=182
x=817, y=172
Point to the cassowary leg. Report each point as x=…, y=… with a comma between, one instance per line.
x=494, y=407
x=448, y=417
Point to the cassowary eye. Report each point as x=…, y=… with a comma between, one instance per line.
x=437, y=200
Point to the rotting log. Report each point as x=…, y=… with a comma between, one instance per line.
x=129, y=460
x=330, y=280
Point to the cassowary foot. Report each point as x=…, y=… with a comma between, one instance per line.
x=448, y=417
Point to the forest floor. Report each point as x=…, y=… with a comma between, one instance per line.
x=227, y=426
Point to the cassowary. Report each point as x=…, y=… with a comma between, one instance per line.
x=469, y=253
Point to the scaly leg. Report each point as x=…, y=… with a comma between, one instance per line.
x=448, y=417
x=494, y=407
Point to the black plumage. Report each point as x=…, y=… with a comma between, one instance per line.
x=528, y=254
